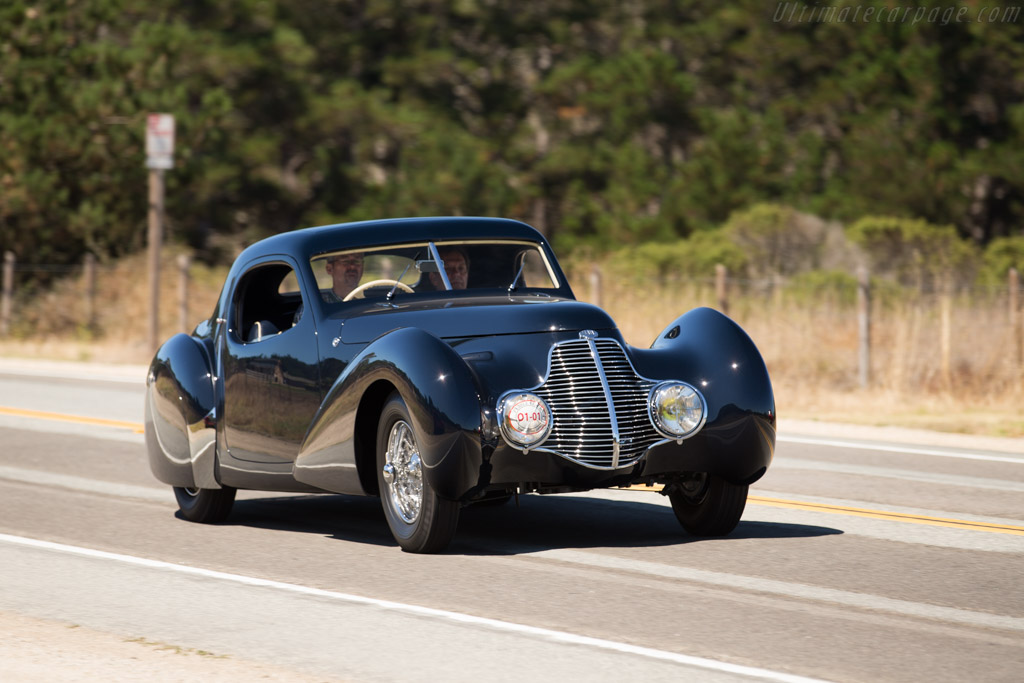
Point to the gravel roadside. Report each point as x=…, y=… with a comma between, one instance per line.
x=47, y=651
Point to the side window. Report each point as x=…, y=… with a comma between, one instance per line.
x=289, y=285
x=267, y=302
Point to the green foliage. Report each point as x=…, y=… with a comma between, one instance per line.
x=778, y=240
x=914, y=251
x=692, y=258
x=997, y=260
x=606, y=123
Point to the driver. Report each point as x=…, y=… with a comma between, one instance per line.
x=346, y=270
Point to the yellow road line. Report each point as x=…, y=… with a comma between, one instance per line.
x=80, y=419
x=894, y=516
x=757, y=500
x=873, y=514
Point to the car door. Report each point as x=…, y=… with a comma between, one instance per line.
x=270, y=365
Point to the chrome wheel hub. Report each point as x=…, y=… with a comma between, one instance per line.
x=403, y=473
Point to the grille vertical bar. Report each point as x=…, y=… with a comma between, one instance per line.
x=598, y=404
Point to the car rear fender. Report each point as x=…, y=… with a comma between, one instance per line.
x=711, y=352
x=180, y=412
x=339, y=451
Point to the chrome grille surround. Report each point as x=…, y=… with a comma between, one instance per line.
x=599, y=404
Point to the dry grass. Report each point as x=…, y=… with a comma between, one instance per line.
x=811, y=348
x=56, y=325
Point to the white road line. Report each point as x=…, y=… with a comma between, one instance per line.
x=890, y=448
x=70, y=481
x=138, y=378
x=456, y=617
x=785, y=589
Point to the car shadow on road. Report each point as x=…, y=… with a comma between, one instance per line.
x=535, y=523
x=554, y=522
x=351, y=518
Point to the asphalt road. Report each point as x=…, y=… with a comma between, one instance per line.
x=855, y=561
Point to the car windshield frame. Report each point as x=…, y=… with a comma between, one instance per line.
x=422, y=257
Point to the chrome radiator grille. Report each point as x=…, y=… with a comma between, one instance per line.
x=583, y=429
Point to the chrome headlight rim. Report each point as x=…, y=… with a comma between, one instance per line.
x=653, y=410
x=513, y=437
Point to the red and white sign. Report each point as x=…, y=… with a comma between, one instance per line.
x=160, y=141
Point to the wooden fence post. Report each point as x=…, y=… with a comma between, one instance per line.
x=595, y=285
x=8, y=294
x=778, y=283
x=946, y=333
x=184, y=261
x=722, y=287
x=90, y=290
x=1016, y=333
x=864, y=327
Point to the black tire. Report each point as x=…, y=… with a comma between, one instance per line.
x=420, y=521
x=708, y=506
x=207, y=506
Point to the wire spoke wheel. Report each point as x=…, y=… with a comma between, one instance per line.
x=403, y=473
x=420, y=520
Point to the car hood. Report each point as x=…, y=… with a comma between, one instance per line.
x=476, y=317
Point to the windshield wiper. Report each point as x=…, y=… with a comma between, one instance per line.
x=515, y=282
x=391, y=295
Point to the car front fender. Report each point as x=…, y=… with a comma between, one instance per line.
x=711, y=352
x=339, y=451
x=180, y=405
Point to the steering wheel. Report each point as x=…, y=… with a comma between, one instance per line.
x=378, y=283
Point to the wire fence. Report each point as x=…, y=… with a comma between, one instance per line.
x=94, y=301
x=848, y=333
x=858, y=332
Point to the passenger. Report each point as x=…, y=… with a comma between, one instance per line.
x=456, y=265
x=346, y=270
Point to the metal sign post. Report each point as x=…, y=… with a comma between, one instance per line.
x=159, y=157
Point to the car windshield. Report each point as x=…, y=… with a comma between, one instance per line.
x=438, y=267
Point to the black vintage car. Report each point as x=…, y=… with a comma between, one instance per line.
x=442, y=362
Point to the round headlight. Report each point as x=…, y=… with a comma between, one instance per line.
x=524, y=418
x=677, y=409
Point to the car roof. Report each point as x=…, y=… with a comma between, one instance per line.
x=311, y=241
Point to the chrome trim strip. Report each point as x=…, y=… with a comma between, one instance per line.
x=616, y=441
